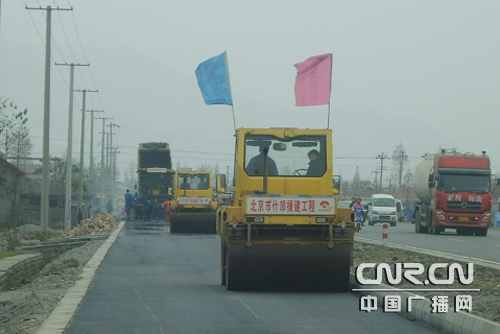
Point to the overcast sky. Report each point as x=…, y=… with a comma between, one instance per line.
x=425, y=74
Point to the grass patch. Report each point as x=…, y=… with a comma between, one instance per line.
x=5, y=254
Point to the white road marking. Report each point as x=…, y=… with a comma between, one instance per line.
x=248, y=308
x=455, y=239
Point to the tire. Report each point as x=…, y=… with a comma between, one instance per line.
x=434, y=230
x=393, y=224
x=417, y=221
x=223, y=257
x=419, y=228
x=231, y=282
x=342, y=279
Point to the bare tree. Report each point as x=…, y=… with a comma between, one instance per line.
x=400, y=160
x=408, y=182
x=10, y=117
x=375, y=181
x=19, y=143
x=356, y=183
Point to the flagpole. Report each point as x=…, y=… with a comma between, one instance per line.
x=234, y=119
x=229, y=86
x=328, y=125
x=330, y=98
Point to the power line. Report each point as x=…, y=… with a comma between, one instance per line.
x=84, y=56
x=66, y=36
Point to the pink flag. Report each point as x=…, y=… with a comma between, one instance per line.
x=313, y=82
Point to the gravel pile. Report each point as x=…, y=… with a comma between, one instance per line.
x=100, y=223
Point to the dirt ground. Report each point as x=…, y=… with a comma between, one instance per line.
x=25, y=309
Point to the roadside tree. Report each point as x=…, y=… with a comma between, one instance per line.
x=10, y=117
x=400, y=161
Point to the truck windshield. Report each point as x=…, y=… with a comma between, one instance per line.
x=296, y=157
x=154, y=183
x=464, y=182
x=387, y=202
x=199, y=181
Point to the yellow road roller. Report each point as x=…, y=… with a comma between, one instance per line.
x=193, y=209
x=284, y=230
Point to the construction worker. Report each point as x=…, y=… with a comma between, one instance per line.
x=148, y=208
x=128, y=204
x=166, y=205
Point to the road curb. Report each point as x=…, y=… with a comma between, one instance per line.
x=61, y=316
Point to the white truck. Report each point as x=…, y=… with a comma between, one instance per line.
x=382, y=209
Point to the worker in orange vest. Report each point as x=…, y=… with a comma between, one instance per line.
x=166, y=205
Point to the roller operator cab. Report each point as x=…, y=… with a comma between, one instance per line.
x=194, y=207
x=284, y=230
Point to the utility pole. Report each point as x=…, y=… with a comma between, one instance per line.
x=82, y=138
x=381, y=157
x=102, y=151
x=69, y=160
x=115, y=173
x=401, y=166
x=108, y=173
x=112, y=158
x=92, y=182
x=44, y=208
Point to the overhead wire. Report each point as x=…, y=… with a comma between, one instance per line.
x=43, y=42
x=84, y=56
x=172, y=135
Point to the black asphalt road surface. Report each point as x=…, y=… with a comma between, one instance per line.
x=154, y=282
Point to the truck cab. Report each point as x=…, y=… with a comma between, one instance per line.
x=382, y=208
x=455, y=192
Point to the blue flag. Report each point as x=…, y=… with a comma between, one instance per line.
x=213, y=80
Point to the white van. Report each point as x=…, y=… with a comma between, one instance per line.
x=382, y=209
x=399, y=208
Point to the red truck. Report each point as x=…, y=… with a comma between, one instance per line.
x=455, y=192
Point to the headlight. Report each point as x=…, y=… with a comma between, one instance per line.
x=440, y=216
x=486, y=217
